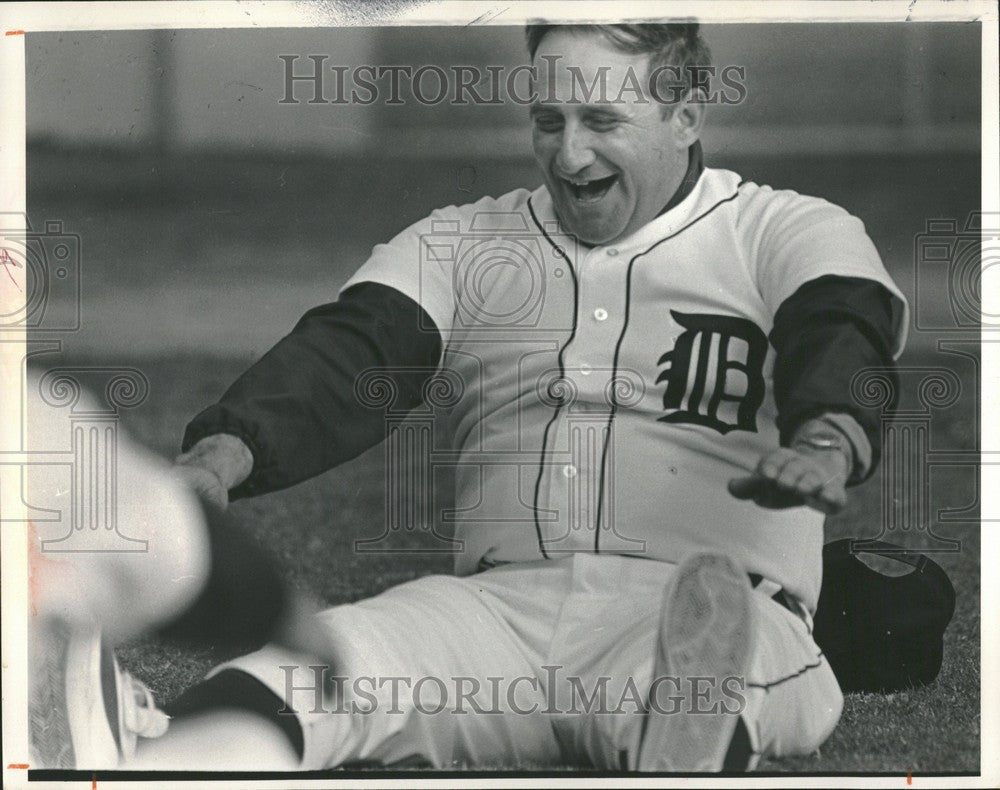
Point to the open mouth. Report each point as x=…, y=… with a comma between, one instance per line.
x=591, y=191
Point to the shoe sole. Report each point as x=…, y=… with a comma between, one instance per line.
x=49, y=733
x=71, y=691
x=706, y=631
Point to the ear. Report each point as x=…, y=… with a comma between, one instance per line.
x=688, y=117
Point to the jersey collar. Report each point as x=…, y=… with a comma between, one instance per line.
x=700, y=188
x=694, y=169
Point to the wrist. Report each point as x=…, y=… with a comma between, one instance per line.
x=817, y=436
x=224, y=455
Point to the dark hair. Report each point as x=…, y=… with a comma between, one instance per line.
x=677, y=45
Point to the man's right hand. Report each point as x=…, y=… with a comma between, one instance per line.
x=215, y=465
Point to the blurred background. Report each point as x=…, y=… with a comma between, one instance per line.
x=209, y=216
x=172, y=156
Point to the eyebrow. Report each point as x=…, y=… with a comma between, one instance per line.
x=588, y=109
x=601, y=109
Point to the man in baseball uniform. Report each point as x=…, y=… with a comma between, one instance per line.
x=648, y=366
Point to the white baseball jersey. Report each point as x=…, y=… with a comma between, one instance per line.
x=606, y=395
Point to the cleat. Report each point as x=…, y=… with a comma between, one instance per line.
x=83, y=710
x=706, y=631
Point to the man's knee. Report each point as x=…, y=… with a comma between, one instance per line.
x=801, y=717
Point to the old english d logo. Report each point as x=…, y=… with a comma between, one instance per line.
x=714, y=373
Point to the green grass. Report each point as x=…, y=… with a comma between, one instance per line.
x=312, y=529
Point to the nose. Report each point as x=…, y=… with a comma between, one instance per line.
x=575, y=151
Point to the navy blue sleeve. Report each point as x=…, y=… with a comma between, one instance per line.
x=824, y=334
x=296, y=408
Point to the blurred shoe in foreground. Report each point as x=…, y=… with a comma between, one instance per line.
x=83, y=710
x=199, y=579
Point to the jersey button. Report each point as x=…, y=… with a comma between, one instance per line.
x=569, y=470
x=612, y=251
x=585, y=369
x=600, y=314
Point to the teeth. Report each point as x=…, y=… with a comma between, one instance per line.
x=590, y=190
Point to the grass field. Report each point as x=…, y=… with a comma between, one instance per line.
x=189, y=238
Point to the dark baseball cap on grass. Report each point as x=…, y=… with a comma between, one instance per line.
x=879, y=632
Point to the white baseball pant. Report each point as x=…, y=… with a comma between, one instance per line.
x=500, y=668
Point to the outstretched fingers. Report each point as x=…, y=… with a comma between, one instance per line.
x=787, y=478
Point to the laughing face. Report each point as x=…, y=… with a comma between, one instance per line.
x=610, y=162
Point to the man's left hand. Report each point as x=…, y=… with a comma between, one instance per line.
x=803, y=474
